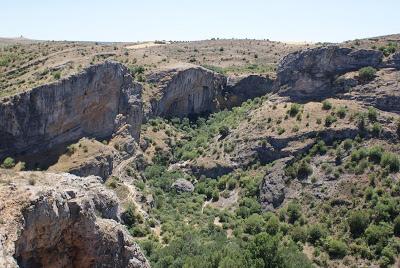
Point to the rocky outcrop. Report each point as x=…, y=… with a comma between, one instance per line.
x=184, y=91
x=51, y=220
x=309, y=74
x=241, y=88
x=272, y=188
x=383, y=92
x=94, y=103
x=393, y=61
x=182, y=186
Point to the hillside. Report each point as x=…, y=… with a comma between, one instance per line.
x=214, y=153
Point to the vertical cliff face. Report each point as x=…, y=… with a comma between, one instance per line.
x=309, y=74
x=185, y=91
x=94, y=103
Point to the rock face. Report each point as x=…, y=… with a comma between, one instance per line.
x=272, y=189
x=242, y=88
x=185, y=91
x=52, y=220
x=383, y=92
x=309, y=74
x=182, y=185
x=94, y=103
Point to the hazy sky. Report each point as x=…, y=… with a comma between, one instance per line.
x=123, y=20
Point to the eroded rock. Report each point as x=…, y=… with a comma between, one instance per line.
x=60, y=220
x=309, y=74
x=184, y=91
x=182, y=185
x=94, y=103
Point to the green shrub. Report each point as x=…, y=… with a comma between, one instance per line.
x=223, y=131
x=298, y=234
x=367, y=73
x=8, y=163
x=316, y=232
x=341, y=112
x=326, y=105
x=329, y=120
x=304, y=170
x=372, y=114
x=57, y=75
x=375, y=154
x=335, y=248
x=293, y=211
x=294, y=109
x=254, y=224
x=396, y=227
x=391, y=161
x=377, y=233
x=358, y=221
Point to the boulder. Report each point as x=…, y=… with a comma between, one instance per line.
x=309, y=74
x=61, y=220
x=182, y=185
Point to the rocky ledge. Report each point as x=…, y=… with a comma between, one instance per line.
x=61, y=220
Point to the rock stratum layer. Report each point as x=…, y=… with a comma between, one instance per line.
x=61, y=220
x=94, y=103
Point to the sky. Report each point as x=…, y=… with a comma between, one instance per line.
x=145, y=20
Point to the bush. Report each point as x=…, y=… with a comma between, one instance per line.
x=377, y=233
x=8, y=163
x=396, y=227
x=254, y=224
x=293, y=211
x=358, y=221
x=326, y=105
x=294, y=109
x=375, y=154
x=376, y=129
x=335, y=248
x=304, y=170
x=329, y=120
x=341, y=112
x=298, y=233
x=316, y=232
x=391, y=161
x=372, y=114
x=367, y=73
x=57, y=75
x=223, y=131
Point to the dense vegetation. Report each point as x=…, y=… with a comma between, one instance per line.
x=363, y=225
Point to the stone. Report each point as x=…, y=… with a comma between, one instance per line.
x=184, y=91
x=272, y=189
x=88, y=104
x=241, y=88
x=61, y=220
x=308, y=74
x=182, y=185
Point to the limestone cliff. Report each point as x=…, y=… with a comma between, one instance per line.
x=241, y=88
x=94, y=103
x=184, y=91
x=60, y=220
x=309, y=74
